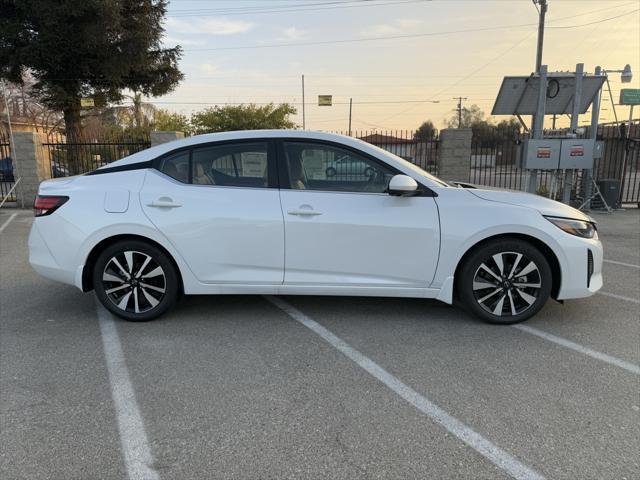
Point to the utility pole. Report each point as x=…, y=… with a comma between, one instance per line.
x=304, y=123
x=459, y=109
x=542, y=12
x=350, y=109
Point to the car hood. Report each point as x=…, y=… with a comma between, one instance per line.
x=544, y=205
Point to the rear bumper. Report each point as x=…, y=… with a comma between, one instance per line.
x=43, y=261
x=577, y=281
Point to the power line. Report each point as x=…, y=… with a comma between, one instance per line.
x=397, y=37
x=358, y=40
x=594, y=23
x=168, y=102
x=515, y=45
x=286, y=9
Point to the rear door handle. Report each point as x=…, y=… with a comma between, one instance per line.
x=164, y=204
x=304, y=213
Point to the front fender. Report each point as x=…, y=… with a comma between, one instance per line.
x=466, y=221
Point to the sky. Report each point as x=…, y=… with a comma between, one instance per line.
x=401, y=61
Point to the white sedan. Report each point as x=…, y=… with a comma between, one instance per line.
x=255, y=212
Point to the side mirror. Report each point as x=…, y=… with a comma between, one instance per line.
x=402, y=185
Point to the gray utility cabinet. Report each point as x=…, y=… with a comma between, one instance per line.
x=558, y=153
x=610, y=190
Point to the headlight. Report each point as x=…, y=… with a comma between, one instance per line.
x=579, y=228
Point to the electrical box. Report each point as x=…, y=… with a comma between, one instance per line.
x=542, y=154
x=576, y=153
x=560, y=153
x=598, y=149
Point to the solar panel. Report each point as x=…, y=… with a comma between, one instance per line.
x=519, y=95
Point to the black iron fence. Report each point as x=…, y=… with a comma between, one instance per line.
x=418, y=149
x=7, y=172
x=72, y=158
x=86, y=154
x=496, y=164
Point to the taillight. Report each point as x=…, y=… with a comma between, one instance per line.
x=47, y=204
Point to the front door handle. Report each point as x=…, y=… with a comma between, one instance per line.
x=304, y=213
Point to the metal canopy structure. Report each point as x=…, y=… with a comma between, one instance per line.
x=519, y=95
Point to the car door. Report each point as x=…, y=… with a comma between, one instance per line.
x=342, y=229
x=218, y=205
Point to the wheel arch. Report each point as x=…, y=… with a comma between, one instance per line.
x=550, y=255
x=87, y=271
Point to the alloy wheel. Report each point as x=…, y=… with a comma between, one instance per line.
x=507, y=284
x=134, y=282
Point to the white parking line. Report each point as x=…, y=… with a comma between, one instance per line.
x=630, y=265
x=8, y=221
x=631, y=367
x=133, y=438
x=620, y=297
x=484, y=447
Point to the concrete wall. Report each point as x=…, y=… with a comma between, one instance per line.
x=163, y=137
x=454, y=154
x=32, y=165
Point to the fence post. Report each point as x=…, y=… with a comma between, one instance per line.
x=32, y=164
x=163, y=137
x=454, y=154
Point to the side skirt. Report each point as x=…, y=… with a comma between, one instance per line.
x=222, y=289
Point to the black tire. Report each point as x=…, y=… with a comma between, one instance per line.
x=331, y=172
x=523, y=288
x=150, y=293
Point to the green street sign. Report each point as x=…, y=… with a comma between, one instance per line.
x=630, y=96
x=325, y=100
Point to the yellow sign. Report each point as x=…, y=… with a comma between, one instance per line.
x=325, y=100
x=87, y=102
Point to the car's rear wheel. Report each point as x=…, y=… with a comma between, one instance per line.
x=135, y=280
x=505, y=281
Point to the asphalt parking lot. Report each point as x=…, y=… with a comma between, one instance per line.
x=318, y=387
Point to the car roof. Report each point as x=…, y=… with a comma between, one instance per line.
x=158, y=150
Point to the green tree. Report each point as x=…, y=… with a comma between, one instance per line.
x=425, y=132
x=169, y=121
x=484, y=131
x=95, y=48
x=243, y=117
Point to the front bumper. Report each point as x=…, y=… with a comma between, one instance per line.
x=579, y=280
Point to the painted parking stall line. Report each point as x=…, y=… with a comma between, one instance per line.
x=603, y=357
x=133, y=438
x=614, y=262
x=620, y=297
x=7, y=222
x=480, y=444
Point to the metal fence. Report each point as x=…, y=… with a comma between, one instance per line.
x=72, y=158
x=496, y=164
x=88, y=153
x=407, y=144
x=621, y=159
x=7, y=172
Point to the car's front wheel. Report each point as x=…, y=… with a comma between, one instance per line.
x=135, y=280
x=505, y=281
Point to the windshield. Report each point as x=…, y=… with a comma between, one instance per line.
x=412, y=166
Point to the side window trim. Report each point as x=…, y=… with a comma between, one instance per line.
x=272, y=159
x=283, y=172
